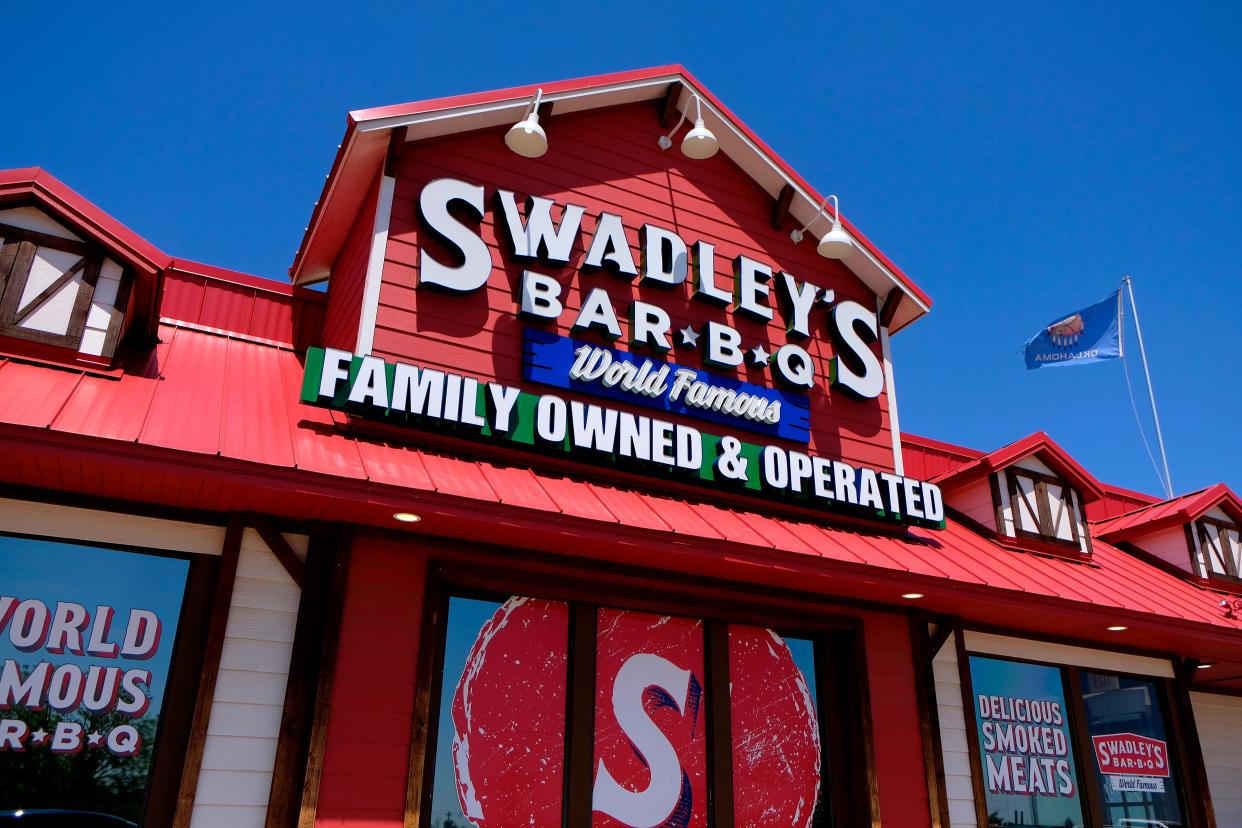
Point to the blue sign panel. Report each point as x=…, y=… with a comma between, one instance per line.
x=571, y=364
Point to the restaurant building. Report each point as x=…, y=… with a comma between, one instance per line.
x=564, y=486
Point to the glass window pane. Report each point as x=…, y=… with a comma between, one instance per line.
x=86, y=641
x=500, y=749
x=650, y=724
x=1026, y=749
x=776, y=744
x=1133, y=765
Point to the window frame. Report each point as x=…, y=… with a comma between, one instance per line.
x=1044, y=517
x=1080, y=737
x=842, y=695
x=16, y=261
x=1222, y=527
x=173, y=733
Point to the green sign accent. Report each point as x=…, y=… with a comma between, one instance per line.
x=522, y=433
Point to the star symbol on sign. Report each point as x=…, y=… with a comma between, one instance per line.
x=94, y=739
x=689, y=336
x=759, y=355
x=38, y=737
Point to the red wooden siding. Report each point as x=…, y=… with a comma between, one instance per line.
x=349, y=276
x=366, y=757
x=609, y=162
x=895, y=716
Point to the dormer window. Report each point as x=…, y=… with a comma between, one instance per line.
x=1042, y=507
x=1220, y=547
x=1028, y=495
x=56, y=289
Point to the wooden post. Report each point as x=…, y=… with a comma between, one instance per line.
x=221, y=600
x=921, y=645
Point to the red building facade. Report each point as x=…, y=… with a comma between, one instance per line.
x=579, y=497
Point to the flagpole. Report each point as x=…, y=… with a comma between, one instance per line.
x=1151, y=394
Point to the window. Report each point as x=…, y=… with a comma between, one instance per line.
x=1059, y=746
x=1220, y=548
x=1026, y=749
x=521, y=735
x=59, y=291
x=1043, y=507
x=86, y=641
x=1133, y=766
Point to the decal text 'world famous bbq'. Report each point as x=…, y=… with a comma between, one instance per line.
x=650, y=739
x=79, y=666
x=406, y=394
x=1025, y=746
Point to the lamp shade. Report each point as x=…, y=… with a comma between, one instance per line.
x=699, y=142
x=527, y=138
x=836, y=243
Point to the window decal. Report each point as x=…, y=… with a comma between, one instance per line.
x=1026, y=748
x=500, y=752
x=650, y=722
x=776, y=742
x=86, y=640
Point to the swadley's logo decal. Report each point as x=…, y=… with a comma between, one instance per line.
x=1131, y=762
x=1067, y=332
x=1131, y=755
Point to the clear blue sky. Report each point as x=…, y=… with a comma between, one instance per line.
x=1016, y=161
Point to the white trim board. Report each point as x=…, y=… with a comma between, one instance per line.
x=375, y=266
x=87, y=525
x=1032, y=650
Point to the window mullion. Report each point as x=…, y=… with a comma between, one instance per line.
x=580, y=716
x=1082, y=743
x=719, y=725
x=1043, y=501
x=15, y=281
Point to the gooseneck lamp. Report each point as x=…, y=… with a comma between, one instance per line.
x=526, y=137
x=700, y=142
x=836, y=243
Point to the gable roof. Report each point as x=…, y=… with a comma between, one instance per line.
x=39, y=187
x=369, y=132
x=1168, y=513
x=1038, y=445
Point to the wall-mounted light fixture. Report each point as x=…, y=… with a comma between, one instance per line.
x=526, y=137
x=700, y=142
x=836, y=243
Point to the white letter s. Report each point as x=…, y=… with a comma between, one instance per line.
x=650, y=807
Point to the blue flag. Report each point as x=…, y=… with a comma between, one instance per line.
x=1089, y=335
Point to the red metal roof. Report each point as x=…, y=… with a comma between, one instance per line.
x=1039, y=445
x=210, y=421
x=1173, y=512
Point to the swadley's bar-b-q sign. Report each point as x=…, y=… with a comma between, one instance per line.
x=452, y=211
